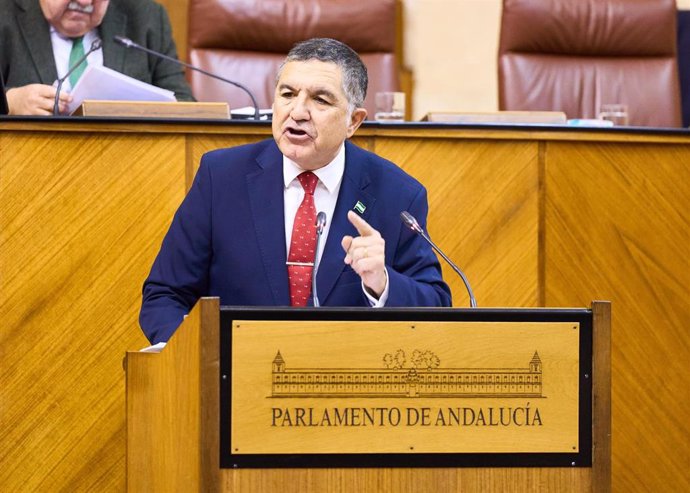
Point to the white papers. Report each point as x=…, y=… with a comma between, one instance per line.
x=105, y=84
x=249, y=111
x=156, y=348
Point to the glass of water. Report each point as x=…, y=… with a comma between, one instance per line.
x=614, y=112
x=390, y=107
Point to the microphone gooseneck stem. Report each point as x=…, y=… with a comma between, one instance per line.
x=96, y=45
x=320, y=224
x=56, y=104
x=409, y=221
x=128, y=43
x=473, y=301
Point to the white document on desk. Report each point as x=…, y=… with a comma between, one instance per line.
x=105, y=84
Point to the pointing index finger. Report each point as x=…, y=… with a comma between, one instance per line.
x=363, y=227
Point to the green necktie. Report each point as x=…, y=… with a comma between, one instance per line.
x=74, y=56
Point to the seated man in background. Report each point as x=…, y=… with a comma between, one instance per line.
x=246, y=231
x=37, y=39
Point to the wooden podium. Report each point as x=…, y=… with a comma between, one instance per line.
x=276, y=399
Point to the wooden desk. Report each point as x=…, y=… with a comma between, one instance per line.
x=536, y=216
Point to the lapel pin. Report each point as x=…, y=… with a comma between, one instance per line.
x=360, y=207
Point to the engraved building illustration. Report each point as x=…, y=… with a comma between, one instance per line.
x=407, y=382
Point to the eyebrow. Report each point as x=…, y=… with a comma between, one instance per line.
x=319, y=91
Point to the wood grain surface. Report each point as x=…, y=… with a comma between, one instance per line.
x=184, y=379
x=535, y=217
x=81, y=218
x=617, y=228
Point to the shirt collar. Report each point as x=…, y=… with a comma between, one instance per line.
x=330, y=175
x=88, y=38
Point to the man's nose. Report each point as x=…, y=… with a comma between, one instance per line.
x=300, y=109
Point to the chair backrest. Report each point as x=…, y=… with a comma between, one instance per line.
x=246, y=41
x=574, y=55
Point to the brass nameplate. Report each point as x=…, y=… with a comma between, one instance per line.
x=307, y=387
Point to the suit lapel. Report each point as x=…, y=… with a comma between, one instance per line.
x=265, y=187
x=352, y=190
x=36, y=33
x=114, y=23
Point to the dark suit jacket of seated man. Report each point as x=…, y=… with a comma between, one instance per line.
x=228, y=238
x=26, y=52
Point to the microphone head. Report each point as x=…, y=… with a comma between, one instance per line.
x=123, y=41
x=96, y=45
x=320, y=222
x=409, y=221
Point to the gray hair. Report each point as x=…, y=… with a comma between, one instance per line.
x=355, y=78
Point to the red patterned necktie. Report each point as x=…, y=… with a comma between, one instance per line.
x=303, y=243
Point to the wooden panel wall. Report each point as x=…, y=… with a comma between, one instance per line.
x=483, y=214
x=81, y=219
x=178, y=13
x=534, y=218
x=617, y=227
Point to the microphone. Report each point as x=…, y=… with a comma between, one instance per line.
x=320, y=224
x=128, y=43
x=96, y=45
x=409, y=221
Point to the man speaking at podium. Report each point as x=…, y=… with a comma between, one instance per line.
x=40, y=40
x=246, y=230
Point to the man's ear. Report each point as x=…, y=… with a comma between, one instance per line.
x=356, y=119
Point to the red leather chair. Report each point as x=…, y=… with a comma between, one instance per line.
x=574, y=55
x=246, y=41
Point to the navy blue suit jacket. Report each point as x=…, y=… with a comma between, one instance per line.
x=227, y=239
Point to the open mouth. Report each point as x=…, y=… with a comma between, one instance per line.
x=296, y=132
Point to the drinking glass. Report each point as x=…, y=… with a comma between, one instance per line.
x=390, y=107
x=614, y=112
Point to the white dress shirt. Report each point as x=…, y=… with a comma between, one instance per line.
x=325, y=198
x=62, y=47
